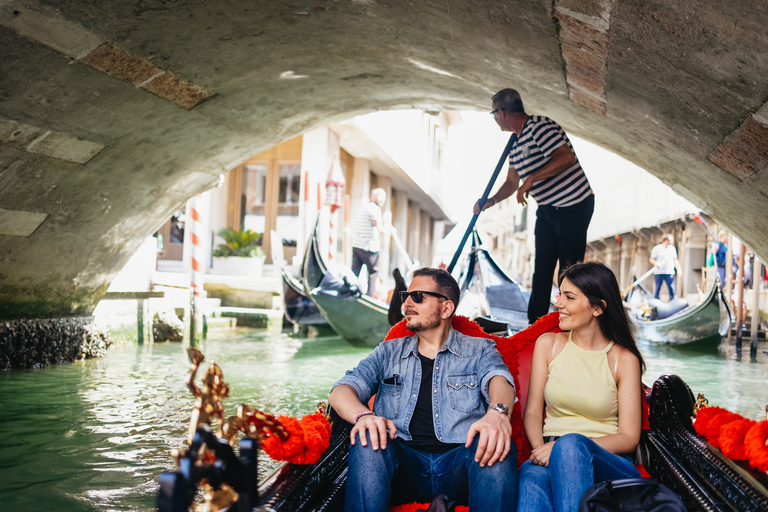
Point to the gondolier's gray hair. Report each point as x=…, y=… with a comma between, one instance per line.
x=446, y=284
x=509, y=100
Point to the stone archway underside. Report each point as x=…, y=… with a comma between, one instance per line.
x=113, y=114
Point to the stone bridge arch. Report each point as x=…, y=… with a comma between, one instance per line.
x=113, y=114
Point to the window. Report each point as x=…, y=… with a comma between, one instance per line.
x=255, y=189
x=290, y=185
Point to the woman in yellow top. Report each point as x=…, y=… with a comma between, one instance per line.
x=583, y=414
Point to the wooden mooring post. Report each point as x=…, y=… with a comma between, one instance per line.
x=756, y=279
x=740, y=311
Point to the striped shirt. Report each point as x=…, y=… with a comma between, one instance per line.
x=364, y=234
x=664, y=256
x=533, y=150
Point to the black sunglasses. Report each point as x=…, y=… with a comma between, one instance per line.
x=496, y=110
x=418, y=296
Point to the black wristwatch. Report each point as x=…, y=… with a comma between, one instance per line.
x=503, y=409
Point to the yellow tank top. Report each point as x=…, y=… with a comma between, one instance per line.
x=580, y=393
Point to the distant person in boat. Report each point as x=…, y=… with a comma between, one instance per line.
x=664, y=259
x=587, y=382
x=430, y=431
x=366, y=243
x=542, y=163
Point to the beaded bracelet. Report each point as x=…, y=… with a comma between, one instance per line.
x=364, y=413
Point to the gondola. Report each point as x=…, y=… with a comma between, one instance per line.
x=489, y=296
x=298, y=307
x=670, y=451
x=677, y=323
x=358, y=318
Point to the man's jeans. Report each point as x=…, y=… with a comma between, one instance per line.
x=665, y=278
x=575, y=464
x=420, y=477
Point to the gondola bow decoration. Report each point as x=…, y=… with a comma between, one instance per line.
x=229, y=480
x=738, y=438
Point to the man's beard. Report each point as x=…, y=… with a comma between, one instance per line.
x=429, y=323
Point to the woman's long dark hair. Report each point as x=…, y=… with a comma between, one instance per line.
x=597, y=282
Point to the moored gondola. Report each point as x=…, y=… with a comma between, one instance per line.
x=358, y=318
x=298, y=307
x=489, y=296
x=676, y=322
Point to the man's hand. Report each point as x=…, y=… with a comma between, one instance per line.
x=376, y=427
x=540, y=455
x=522, y=192
x=477, y=209
x=495, y=440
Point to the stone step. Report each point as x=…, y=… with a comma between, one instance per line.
x=269, y=319
x=220, y=323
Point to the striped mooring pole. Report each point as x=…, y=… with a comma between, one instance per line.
x=195, y=282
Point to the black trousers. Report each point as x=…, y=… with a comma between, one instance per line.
x=370, y=259
x=561, y=235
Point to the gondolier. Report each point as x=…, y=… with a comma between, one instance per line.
x=665, y=262
x=366, y=242
x=544, y=159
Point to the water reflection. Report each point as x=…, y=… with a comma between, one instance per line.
x=94, y=435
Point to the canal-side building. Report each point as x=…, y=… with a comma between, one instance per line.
x=282, y=192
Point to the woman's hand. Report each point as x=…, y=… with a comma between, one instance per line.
x=540, y=455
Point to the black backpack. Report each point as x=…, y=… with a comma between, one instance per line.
x=636, y=494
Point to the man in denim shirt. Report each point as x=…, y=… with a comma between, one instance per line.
x=431, y=431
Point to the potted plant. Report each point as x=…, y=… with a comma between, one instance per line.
x=240, y=254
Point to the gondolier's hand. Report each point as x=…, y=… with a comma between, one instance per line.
x=488, y=203
x=495, y=440
x=376, y=427
x=522, y=192
x=540, y=455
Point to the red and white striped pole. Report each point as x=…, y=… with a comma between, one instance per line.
x=334, y=198
x=196, y=282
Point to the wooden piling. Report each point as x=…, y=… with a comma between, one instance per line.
x=756, y=278
x=740, y=297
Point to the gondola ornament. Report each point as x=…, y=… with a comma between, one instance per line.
x=229, y=480
x=737, y=437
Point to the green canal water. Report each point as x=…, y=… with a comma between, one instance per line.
x=94, y=435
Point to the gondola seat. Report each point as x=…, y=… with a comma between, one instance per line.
x=661, y=309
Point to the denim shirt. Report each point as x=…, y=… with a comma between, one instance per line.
x=463, y=370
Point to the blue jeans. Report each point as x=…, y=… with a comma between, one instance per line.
x=665, y=278
x=406, y=475
x=575, y=464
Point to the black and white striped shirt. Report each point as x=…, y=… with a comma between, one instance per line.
x=533, y=150
x=364, y=234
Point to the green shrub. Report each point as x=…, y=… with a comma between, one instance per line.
x=239, y=242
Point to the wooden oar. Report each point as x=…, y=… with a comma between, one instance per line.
x=502, y=160
x=398, y=243
x=628, y=288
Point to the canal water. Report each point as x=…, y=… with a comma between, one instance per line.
x=94, y=435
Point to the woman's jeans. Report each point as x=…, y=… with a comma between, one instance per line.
x=409, y=476
x=575, y=464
